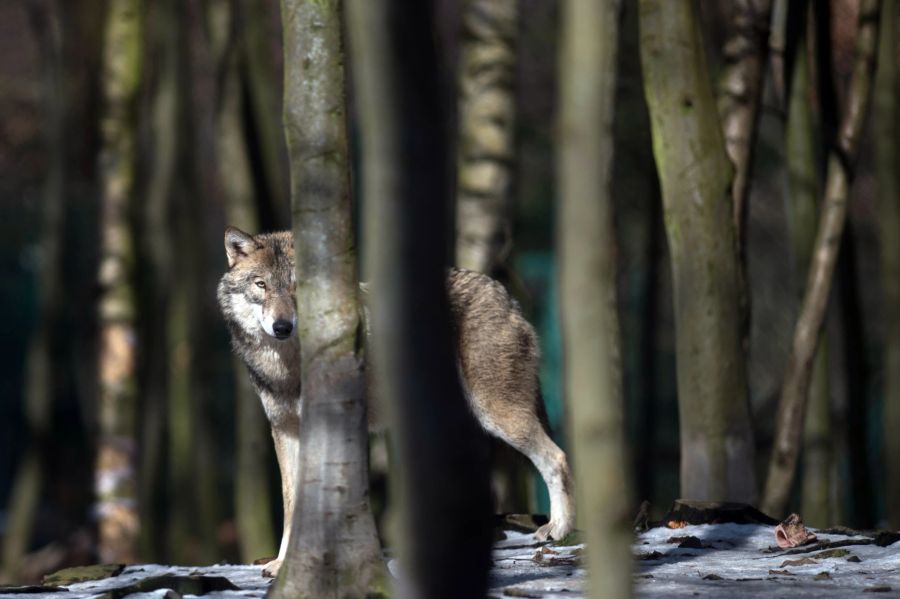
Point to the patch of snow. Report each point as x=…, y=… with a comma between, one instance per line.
x=722, y=560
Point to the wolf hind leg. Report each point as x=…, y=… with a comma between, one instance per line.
x=534, y=443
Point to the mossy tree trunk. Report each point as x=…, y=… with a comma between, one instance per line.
x=253, y=512
x=486, y=149
x=695, y=175
x=27, y=487
x=591, y=344
x=116, y=476
x=833, y=216
x=443, y=492
x=801, y=143
x=334, y=549
x=886, y=132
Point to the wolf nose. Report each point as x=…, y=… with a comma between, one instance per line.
x=282, y=328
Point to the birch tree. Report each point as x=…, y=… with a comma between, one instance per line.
x=886, y=131
x=334, y=549
x=833, y=215
x=695, y=176
x=444, y=499
x=592, y=352
x=116, y=483
x=487, y=128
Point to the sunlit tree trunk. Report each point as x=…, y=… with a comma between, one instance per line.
x=591, y=345
x=443, y=493
x=740, y=90
x=116, y=484
x=28, y=484
x=802, y=197
x=253, y=512
x=695, y=175
x=886, y=132
x=833, y=215
x=334, y=549
x=486, y=133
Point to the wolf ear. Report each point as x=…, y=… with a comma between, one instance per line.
x=238, y=245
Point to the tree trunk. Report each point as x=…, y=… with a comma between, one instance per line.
x=27, y=487
x=334, y=549
x=794, y=391
x=592, y=352
x=443, y=488
x=252, y=489
x=154, y=242
x=260, y=87
x=886, y=131
x=740, y=90
x=116, y=484
x=802, y=196
x=486, y=150
x=695, y=176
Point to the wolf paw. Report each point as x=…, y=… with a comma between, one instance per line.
x=272, y=568
x=553, y=530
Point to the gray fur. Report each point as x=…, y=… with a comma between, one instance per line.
x=497, y=350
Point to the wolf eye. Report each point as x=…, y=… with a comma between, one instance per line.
x=260, y=284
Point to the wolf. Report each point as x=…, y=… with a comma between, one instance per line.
x=497, y=358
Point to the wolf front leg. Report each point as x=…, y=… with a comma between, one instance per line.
x=287, y=448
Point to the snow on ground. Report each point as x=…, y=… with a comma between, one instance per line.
x=721, y=560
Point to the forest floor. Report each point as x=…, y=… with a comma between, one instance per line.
x=721, y=560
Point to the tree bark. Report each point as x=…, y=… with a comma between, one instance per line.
x=591, y=345
x=253, y=512
x=116, y=478
x=486, y=150
x=28, y=484
x=443, y=483
x=334, y=549
x=801, y=142
x=740, y=91
x=886, y=131
x=833, y=214
x=695, y=176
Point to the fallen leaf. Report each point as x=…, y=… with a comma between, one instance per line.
x=713, y=577
x=676, y=524
x=792, y=533
x=782, y=572
x=803, y=561
x=822, y=576
x=854, y=559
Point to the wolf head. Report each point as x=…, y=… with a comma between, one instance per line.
x=256, y=294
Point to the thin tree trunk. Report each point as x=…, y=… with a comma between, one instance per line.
x=802, y=195
x=444, y=499
x=886, y=131
x=740, y=91
x=116, y=484
x=260, y=88
x=25, y=497
x=486, y=150
x=794, y=391
x=253, y=512
x=695, y=175
x=592, y=352
x=334, y=549
x=154, y=242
